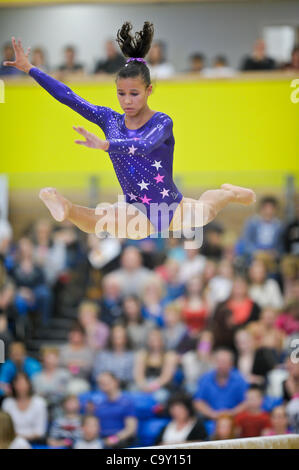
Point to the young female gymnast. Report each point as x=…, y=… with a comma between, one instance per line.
x=140, y=144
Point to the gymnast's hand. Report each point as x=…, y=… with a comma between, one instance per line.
x=21, y=62
x=92, y=141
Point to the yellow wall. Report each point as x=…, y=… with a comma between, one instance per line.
x=220, y=127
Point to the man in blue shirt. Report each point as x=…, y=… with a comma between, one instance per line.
x=18, y=361
x=221, y=389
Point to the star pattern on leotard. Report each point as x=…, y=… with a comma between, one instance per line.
x=132, y=150
x=165, y=192
x=159, y=178
x=157, y=165
x=145, y=200
x=132, y=196
x=143, y=185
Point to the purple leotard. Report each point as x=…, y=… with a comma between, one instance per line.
x=142, y=158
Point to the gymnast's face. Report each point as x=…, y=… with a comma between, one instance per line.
x=132, y=94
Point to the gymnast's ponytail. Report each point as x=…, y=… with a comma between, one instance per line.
x=135, y=47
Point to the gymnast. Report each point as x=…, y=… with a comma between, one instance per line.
x=140, y=144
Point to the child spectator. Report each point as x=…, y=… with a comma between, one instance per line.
x=65, y=430
x=90, y=431
x=97, y=332
x=224, y=428
x=279, y=422
x=253, y=420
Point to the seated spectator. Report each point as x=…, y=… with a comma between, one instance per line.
x=132, y=275
x=96, y=331
x=184, y=425
x=262, y=231
x=220, y=69
x=194, y=306
x=70, y=65
x=196, y=62
x=153, y=299
x=8, y=436
x=28, y=411
x=265, y=331
x=49, y=251
x=102, y=251
x=9, y=55
x=175, y=332
x=223, y=327
x=136, y=325
x=157, y=62
x=32, y=294
x=111, y=301
x=224, y=428
x=264, y=291
x=38, y=59
x=18, y=361
x=213, y=242
x=76, y=356
x=220, y=286
x=291, y=383
x=289, y=271
x=279, y=422
x=155, y=367
x=113, y=61
x=290, y=237
x=253, y=420
x=293, y=65
x=258, y=60
x=244, y=309
x=52, y=381
x=196, y=363
x=90, y=431
x=292, y=409
x=116, y=413
x=246, y=356
x=66, y=429
x=192, y=265
x=118, y=358
x=288, y=320
x=222, y=388
x=169, y=272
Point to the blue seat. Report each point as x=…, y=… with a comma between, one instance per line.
x=269, y=403
x=148, y=430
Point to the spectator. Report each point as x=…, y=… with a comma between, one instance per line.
x=192, y=265
x=18, y=361
x=70, y=65
x=246, y=356
x=196, y=62
x=222, y=388
x=263, y=231
x=9, y=55
x=157, y=62
x=184, y=425
x=292, y=409
x=175, y=332
x=293, y=65
x=264, y=291
x=52, y=381
x=288, y=320
x=196, y=363
x=111, y=301
x=136, y=325
x=290, y=385
x=33, y=294
x=253, y=420
x=102, y=252
x=132, y=276
x=28, y=411
x=220, y=286
x=153, y=296
x=8, y=436
x=265, y=331
x=96, y=331
x=244, y=309
x=66, y=429
x=279, y=422
x=116, y=413
x=290, y=233
x=212, y=245
x=38, y=59
x=194, y=306
x=76, y=356
x=224, y=428
x=258, y=60
x=5, y=334
x=155, y=367
x=113, y=61
x=220, y=69
x=118, y=358
x=170, y=274
x=90, y=431
x=223, y=327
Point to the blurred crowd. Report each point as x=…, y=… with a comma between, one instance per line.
x=160, y=67
x=116, y=343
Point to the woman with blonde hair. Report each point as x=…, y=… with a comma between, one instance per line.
x=8, y=436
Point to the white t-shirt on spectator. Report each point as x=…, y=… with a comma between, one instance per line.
x=164, y=70
x=29, y=422
x=95, y=444
x=267, y=294
x=20, y=443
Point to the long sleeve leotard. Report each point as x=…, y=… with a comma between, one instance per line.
x=142, y=158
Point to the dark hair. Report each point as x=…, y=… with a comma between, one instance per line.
x=181, y=399
x=13, y=386
x=256, y=388
x=77, y=327
x=128, y=343
x=136, y=46
x=269, y=200
x=197, y=56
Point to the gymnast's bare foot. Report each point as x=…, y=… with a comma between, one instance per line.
x=57, y=204
x=243, y=195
